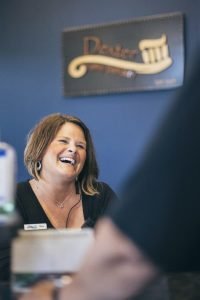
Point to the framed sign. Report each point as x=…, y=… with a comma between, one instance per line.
x=136, y=55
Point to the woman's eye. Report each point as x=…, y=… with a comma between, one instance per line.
x=63, y=141
x=81, y=146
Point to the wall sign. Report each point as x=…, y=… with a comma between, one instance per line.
x=137, y=55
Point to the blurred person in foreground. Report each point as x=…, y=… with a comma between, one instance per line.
x=155, y=226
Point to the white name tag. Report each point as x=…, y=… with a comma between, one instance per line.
x=38, y=226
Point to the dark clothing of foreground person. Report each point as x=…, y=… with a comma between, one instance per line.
x=160, y=209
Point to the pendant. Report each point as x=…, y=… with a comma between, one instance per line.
x=60, y=205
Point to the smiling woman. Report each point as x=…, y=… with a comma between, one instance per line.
x=63, y=191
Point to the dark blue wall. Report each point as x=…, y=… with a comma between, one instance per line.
x=31, y=77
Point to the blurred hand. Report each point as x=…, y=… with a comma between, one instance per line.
x=113, y=269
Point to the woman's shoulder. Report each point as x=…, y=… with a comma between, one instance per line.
x=22, y=186
x=96, y=205
x=103, y=186
x=105, y=191
x=23, y=183
x=23, y=191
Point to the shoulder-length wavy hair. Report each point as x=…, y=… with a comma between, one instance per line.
x=40, y=137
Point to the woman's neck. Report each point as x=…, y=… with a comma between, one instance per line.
x=53, y=192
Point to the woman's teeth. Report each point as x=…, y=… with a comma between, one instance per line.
x=67, y=160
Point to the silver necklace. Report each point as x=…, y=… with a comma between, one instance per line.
x=60, y=204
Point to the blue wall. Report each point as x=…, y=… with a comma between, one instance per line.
x=31, y=77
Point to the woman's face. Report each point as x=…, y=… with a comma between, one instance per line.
x=65, y=156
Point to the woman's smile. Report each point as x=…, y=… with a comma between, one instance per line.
x=68, y=148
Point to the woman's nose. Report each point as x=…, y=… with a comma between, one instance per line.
x=71, y=148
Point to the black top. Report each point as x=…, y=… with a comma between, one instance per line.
x=32, y=212
x=160, y=206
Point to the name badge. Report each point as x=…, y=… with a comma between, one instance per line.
x=38, y=226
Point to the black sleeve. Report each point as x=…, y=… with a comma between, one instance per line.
x=96, y=206
x=21, y=194
x=160, y=206
x=108, y=197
